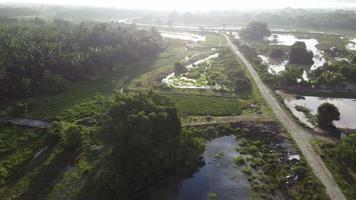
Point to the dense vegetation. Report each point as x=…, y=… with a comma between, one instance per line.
x=255, y=31
x=347, y=151
x=277, y=53
x=327, y=113
x=235, y=73
x=332, y=75
x=43, y=58
x=149, y=149
x=340, y=160
x=298, y=54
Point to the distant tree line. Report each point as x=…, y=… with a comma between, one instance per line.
x=332, y=19
x=42, y=57
x=17, y=11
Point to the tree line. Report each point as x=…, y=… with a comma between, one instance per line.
x=41, y=57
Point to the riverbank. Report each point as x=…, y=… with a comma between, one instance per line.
x=308, y=91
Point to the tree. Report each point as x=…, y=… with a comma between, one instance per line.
x=277, y=53
x=148, y=145
x=242, y=85
x=255, y=31
x=327, y=113
x=179, y=68
x=298, y=54
x=291, y=75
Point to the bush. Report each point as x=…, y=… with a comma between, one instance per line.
x=277, y=53
x=239, y=161
x=327, y=113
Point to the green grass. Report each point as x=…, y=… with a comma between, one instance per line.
x=214, y=40
x=17, y=146
x=206, y=105
x=340, y=173
x=12, y=137
x=174, y=53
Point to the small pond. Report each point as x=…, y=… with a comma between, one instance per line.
x=352, y=45
x=274, y=66
x=347, y=108
x=218, y=175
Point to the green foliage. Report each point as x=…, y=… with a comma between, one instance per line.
x=75, y=136
x=179, y=68
x=266, y=169
x=340, y=161
x=333, y=75
x=212, y=196
x=346, y=151
x=291, y=75
x=255, y=31
x=44, y=58
x=148, y=145
x=307, y=113
x=239, y=161
x=277, y=53
x=206, y=105
x=327, y=113
x=18, y=110
x=17, y=146
x=239, y=81
x=298, y=54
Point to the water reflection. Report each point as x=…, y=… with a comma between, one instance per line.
x=218, y=175
x=345, y=106
x=183, y=36
x=289, y=40
x=352, y=45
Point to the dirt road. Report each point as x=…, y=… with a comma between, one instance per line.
x=300, y=135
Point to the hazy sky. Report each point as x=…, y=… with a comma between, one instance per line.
x=200, y=4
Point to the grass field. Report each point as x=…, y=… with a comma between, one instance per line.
x=206, y=105
x=214, y=40
x=17, y=145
